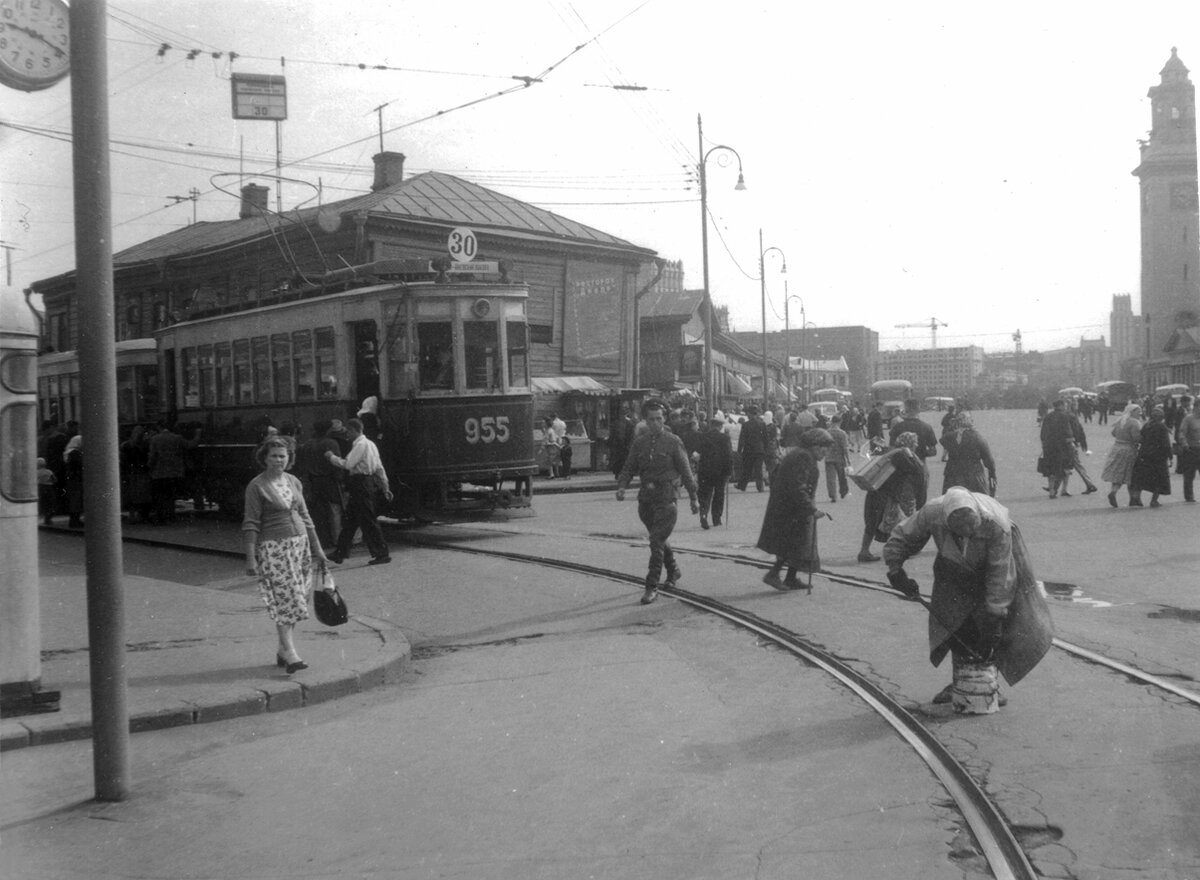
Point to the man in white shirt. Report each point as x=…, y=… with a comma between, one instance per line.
x=366, y=482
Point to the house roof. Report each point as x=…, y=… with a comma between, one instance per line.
x=671, y=304
x=1183, y=339
x=431, y=197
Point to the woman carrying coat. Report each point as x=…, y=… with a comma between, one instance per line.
x=1152, y=467
x=1118, y=467
x=280, y=542
x=789, y=528
x=969, y=460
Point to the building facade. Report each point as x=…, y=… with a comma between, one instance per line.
x=948, y=372
x=856, y=344
x=1085, y=365
x=1170, y=228
x=1123, y=326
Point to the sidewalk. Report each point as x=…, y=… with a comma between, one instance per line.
x=199, y=654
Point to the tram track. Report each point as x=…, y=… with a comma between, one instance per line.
x=992, y=832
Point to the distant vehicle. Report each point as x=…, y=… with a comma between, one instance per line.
x=1073, y=391
x=826, y=408
x=938, y=403
x=1119, y=393
x=1176, y=390
x=836, y=395
x=891, y=393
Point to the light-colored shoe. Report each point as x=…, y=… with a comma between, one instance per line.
x=650, y=595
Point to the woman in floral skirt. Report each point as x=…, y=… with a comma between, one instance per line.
x=280, y=541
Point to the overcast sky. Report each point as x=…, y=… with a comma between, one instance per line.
x=964, y=162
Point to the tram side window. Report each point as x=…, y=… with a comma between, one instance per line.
x=326, y=363
x=204, y=360
x=260, y=355
x=243, y=376
x=302, y=365
x=281, y=357
x=518, y=353
x=223, y=358
x=191, y=378
x=435, y=340
x=481, y=351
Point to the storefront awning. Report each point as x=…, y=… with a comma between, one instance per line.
x=578, y=384
x=736, y=385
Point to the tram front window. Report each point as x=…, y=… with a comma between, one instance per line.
x=435, y=341
x=481, y=350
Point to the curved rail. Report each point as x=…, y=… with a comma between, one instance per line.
x=996, y=840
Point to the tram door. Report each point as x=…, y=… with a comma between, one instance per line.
x=366, y=358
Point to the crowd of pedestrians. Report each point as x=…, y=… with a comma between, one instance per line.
x=986, y=612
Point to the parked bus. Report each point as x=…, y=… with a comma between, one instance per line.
x=891, y=393
x=1119, y=393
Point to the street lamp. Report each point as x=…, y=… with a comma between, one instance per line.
x=762, y=277
x=706, y=303
x=787, y=334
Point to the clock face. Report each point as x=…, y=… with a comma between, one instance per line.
x=35, y=43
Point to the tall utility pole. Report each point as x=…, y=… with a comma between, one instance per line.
x=98, y=397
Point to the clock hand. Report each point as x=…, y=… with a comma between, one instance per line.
x=35, y=35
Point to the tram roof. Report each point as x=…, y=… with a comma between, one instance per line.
x=431, y=197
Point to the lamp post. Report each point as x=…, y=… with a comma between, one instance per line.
x=706, y=302
x=762, y=277
x=787, y=334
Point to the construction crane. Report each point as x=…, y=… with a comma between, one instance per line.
x=932, y=324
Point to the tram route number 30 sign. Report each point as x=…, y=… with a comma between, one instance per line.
x=462, y=244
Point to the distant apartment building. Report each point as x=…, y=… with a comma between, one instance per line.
x=1084, y=365
x=1123, y=327
x=933, y=371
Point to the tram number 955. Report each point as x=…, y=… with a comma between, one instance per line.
x=488, y=429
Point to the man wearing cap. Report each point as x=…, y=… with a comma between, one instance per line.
x=715, y=464
x=661, y=463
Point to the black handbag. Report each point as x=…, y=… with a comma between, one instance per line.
x=328, y=603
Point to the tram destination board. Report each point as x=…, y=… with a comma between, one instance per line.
x=259, y=96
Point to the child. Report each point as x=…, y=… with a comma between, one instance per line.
x=47, y=492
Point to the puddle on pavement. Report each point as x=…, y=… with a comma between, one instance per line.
x=1169, y=612
x=1071, y=593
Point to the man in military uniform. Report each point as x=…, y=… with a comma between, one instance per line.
x=661, y=463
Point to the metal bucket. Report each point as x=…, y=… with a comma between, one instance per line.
x=976, y=689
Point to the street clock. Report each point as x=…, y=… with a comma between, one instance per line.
x=35, y=43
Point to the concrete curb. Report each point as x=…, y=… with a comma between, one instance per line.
x=204, y=703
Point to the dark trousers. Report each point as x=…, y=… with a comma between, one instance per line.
x=659, y=519
x=835, y=477
x=712, y=496
x=361, y=513
x=164, y=490
x=325, y=502
x=752, y=467
x=1189, y=463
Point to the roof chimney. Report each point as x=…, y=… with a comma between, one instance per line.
x=255, y=200
x=389, y=170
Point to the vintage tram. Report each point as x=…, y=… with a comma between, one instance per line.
x=440, y=364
